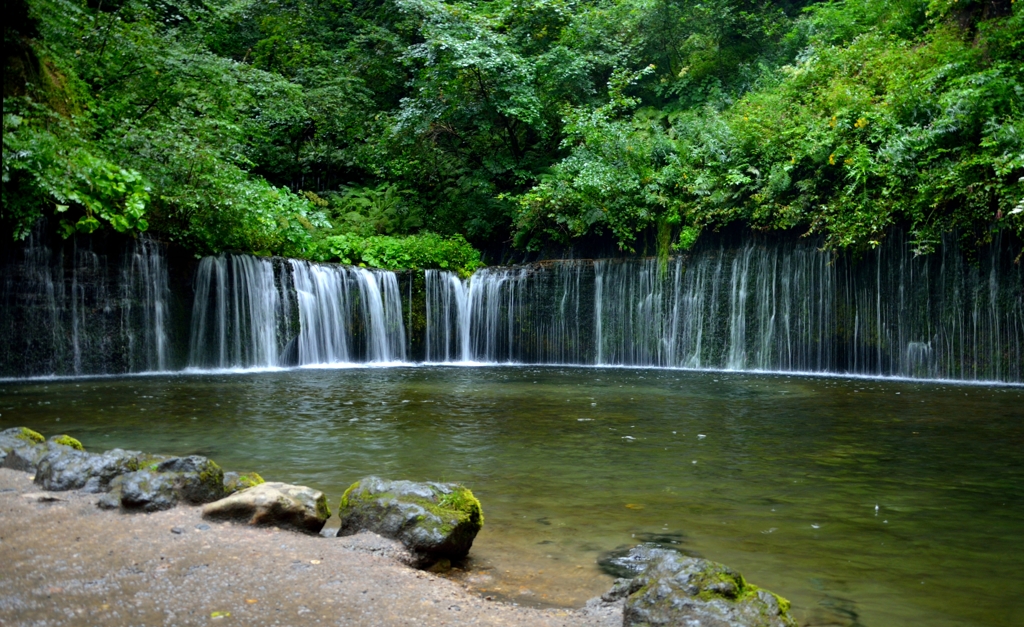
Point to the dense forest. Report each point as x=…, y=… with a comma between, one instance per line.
x=414, y=133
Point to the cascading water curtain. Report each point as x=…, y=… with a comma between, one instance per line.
x=348, y=314
x=247, y=310
x=146, y=295
x=236, y=314
x=69, y=309
x=759, y=306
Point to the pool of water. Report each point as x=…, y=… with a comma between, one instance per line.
x=866, y=502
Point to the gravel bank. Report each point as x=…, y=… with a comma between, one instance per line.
x=65, y=562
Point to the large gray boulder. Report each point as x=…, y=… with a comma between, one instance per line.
x=435, y=521
x=273, y=504
x=71, y=469
x=672, y=589
x=16, y=437
x=26, y=458
x=145, y=491
x=164, y=483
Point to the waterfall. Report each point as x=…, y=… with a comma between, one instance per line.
x=247, y=310
x=338, y=306
x=754, y=306
x=107, y=306
x=69, y=309
x=145, y=316
x=236, y=314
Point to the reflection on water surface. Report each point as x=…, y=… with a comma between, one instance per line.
x=573, y=462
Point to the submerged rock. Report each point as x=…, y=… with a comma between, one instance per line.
x=71, y=469
x=162, y=484
x=672, y=589
x=629, y=561
x=273, y=504
x=435, y=521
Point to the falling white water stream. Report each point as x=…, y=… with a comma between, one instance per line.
x=753, y=307
x=244, y=314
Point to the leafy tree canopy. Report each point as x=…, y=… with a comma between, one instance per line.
x=396, y=133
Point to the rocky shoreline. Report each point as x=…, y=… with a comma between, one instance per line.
x=257, y=551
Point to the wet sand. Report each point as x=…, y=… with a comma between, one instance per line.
x=63, y=561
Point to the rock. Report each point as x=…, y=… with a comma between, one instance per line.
x=369, y=542
x=26, y=458
x=70, y=469
x=233, y=481
x=162, y=484
x=111, y=500
x=67, y=440
x=200, y=480
x=16, y=438
x=620, y=590
x=147, y=491
x=435, y=521
x=626, y=562
x=673, y=589
x=274, y=504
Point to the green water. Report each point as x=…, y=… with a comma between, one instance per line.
x=573, y=462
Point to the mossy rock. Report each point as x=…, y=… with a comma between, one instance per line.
x=162, y=484
x=33, y=437
x=273, y=504
x=435, y=521
x=17, y=437
x=200, y=479
x=234, y=482
x=673, y=589
x=22, y=448
x=71, y=469
x=67, y=440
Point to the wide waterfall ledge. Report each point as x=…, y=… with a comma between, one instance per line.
x=766, y=306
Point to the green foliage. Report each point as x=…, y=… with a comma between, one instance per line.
x=424, y=250
x=879, y=121
x=158, y=136
x=367, y=211
x=44, y=166
x=333, y=129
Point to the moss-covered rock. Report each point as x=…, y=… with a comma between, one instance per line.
x=273, y=504
x=146, y=491
x=30, y=436
x=73, y=469
x=67, y=440
x=435, y=521
x=161, y=484
x=672, y=589
x=23, y=448
x=17, y=437
x=234, y=481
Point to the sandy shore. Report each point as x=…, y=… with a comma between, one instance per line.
x=66, y=562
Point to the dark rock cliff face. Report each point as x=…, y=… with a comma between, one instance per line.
x=102, y=304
